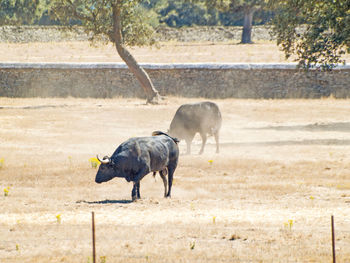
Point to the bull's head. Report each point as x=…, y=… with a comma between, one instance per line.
x=177, y=132
x=106, y=171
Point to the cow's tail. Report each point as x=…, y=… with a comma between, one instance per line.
x=156, y=133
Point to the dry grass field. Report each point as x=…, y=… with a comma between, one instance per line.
x=283, y=170
x=162, y=53
x=168, y=52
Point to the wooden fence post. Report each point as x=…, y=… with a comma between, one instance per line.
x=333, y=239
x=93, y=239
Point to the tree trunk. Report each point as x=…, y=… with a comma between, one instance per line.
x=247, y=26
x=141, y=75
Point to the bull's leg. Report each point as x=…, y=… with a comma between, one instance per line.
x=171, y=171
x=216, y=135
x=188, y=144
x=138, y=190
x=189, y=140
x=162, y=175
x=134, y=192
x=204, y=141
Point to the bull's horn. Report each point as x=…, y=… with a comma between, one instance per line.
x=105, y=160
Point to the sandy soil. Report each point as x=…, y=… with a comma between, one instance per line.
x=283, y=170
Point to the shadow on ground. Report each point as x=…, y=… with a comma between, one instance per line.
x=107, y=201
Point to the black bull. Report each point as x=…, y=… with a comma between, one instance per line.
x=137, y=157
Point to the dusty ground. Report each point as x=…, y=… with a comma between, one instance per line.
x=283, y=170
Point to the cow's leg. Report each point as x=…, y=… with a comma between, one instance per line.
x=204, y=141
x=171, y=170
x=216, y=135
x=163, y=176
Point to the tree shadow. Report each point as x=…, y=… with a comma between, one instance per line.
x=103, y=202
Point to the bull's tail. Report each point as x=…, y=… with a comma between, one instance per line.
x=156, y=133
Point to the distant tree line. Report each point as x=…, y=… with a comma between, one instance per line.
x=172, y=13
x=316, y=32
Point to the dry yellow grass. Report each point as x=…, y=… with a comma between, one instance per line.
x=168, y=52
x=165, y=53
x=282, y=171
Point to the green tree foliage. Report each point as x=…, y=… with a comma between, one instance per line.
x=96, y=16
x=181, y=13
x=316, y=31
x=247, y=7
x=119, y=21
x=173, y=13
x=236, y=18
x=178, y=13
x=19, y=12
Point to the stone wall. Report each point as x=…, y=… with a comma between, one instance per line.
x=27, y=34
x=189, y=80
x=24, y=34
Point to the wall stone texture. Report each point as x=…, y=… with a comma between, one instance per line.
x=107, y=80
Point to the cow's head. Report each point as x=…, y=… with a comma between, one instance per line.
x=106, y=171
